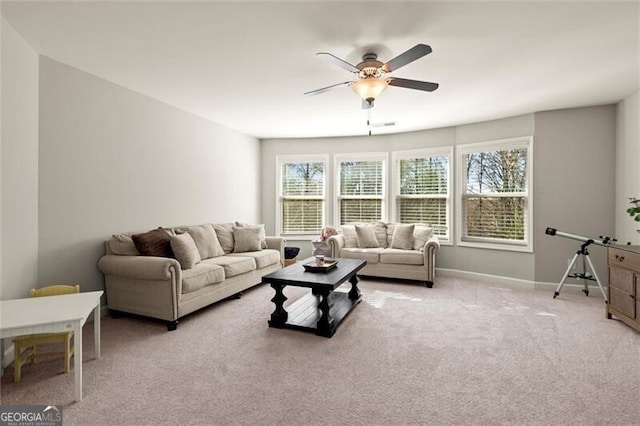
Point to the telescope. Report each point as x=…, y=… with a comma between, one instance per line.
x=601, y=241
x=584, y=275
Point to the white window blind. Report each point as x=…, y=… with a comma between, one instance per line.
x=302, y=197
x=422, y=195
x=495, y=195
x=361, y=192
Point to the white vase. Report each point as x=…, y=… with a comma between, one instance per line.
x=321, y=248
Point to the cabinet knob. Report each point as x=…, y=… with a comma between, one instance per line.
x=632, y=296
x=619, y=258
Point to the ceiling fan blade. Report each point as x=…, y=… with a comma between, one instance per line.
x=366, y=104
x=412, y=84
x=416, y=52
x=339, y=62
x=325, y=89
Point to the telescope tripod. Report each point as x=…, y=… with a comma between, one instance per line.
x=584, y=275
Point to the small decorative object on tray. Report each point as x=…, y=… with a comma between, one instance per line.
x=320, y=264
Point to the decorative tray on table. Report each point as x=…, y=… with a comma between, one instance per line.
x=325, y=266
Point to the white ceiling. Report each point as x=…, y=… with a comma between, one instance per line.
x=246, y=65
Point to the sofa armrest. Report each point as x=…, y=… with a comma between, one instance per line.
x=277, y=243
x=430, y=248
x=336, y=242
x=432, y=244
x=140, y=267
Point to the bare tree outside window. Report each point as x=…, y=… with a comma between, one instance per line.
x=495, y=195
x=302, y=197
x=361, y=191
x=424, y=192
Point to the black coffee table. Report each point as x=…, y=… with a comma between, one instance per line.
x=322, y=310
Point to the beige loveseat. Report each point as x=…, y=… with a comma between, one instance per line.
x=404, y=251
x=205, y=263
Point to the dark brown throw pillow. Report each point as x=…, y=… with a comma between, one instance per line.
x=154, y=243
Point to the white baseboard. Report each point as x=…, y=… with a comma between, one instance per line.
x=506, y=281
x=495, y=279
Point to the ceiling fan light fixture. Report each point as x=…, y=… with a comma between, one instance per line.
x=369, y=88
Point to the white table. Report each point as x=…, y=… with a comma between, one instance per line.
x=54, y=314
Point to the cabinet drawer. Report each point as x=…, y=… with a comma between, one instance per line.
x=622, y=279
x=624, y=258
x=637, y=294
x=622, y=302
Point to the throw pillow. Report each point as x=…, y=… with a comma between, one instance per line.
x=366, y=236
x=185, y=250
x=403, y=236
x=350, y=237
x=421, y=235
x=206, y=240
x=224, y=231
x=153, y=243
x=246, y=239
x=122, y=244
x=263, y=233
x=380, y=229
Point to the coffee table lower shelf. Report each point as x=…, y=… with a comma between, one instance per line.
x=303, y=314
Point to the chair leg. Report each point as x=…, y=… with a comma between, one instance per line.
x=17, y=362
x=31, y=357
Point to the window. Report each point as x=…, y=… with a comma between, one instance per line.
x=360, y=188
x=422, y=188
x=495, y=201
x=302, y=195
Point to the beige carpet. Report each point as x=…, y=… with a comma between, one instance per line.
x=463, y=352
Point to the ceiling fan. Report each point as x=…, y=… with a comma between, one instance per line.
x=370, y=74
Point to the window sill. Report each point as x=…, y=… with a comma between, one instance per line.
x=301, y=237
x=493, y=246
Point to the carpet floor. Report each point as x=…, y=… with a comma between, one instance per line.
x=463, y=352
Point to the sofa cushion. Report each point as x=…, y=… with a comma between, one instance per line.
x=205, y=238
x=366, y=236
x=185, y=250
x=224, y=231
x=402, y=257
x=263, y=232
x=402, y=236
x=263, y=258
x=421, y=235
x=153, y=243
x=371, y=255
x=122, y=244
x=246, y=239
x=234, y=265
x=201, y=275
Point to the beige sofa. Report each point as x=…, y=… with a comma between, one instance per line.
x=208, y=263
x=404, y=251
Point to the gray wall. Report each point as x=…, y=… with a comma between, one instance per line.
x=19, y=166
x=574, y=155
x=574, y=185
x=627, y=167
x=112, y=160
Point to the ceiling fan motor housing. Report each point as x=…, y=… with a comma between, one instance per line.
x=370, y=67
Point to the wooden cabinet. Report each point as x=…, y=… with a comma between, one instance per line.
x=624, y=284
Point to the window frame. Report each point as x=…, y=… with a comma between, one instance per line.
x=397, y=156
x=300, y=158
x=355, y=157
x=495, y=243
